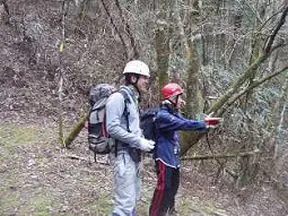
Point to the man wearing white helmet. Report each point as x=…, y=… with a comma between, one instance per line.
x=125, y=129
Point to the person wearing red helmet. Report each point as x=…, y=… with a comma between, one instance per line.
x=167, y=151
x=172, y=92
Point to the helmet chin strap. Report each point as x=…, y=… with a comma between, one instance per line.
x=174, y=103
x=135, y=86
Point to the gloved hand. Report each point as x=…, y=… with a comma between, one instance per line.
x=212, y=122
x=146, y=145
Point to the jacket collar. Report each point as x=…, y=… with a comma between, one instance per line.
x=132, y=91
x=167, y=105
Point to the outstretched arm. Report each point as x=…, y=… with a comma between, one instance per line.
x=168, y=122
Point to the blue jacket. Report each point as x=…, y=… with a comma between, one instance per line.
x=169, y=123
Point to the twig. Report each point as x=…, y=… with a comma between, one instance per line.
x=261, y=58
x=271, y=39
x=75, y=157
x=6, y=8
x=267, y=20
x=219, y=162
x=128, y=30
x=254, y=85
x=115, y=28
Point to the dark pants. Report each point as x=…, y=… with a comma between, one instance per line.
x=166, y=189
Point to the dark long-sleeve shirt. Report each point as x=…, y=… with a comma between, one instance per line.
x=169, y=124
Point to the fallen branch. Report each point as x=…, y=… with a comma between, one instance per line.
x=207, y=157
x=75, y=157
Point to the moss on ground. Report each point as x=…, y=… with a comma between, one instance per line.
x=12, y=135
x=39, y=205
x=42, y=206
x=187, y=207
x=9, y=201
x=102, y=205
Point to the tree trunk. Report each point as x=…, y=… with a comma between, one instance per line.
x=60, y=91
x=163, y=52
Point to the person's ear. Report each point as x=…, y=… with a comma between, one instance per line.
x=182, y=104
x=133, y=79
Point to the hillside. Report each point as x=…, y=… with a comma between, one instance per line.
x=39, y=177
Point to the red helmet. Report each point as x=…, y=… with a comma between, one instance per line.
x=170, y=90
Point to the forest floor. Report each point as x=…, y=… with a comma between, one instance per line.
x=38, y=177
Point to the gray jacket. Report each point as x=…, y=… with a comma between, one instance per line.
x=116, y=121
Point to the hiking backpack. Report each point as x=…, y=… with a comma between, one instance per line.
x=148, y=124
x=98, y=139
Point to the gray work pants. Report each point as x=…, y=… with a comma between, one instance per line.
x=127, y=184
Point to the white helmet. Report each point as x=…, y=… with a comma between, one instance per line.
x=137, y=67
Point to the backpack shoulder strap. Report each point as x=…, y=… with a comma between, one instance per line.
x=126, y=101
x=125, y=113
x=125, y=95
